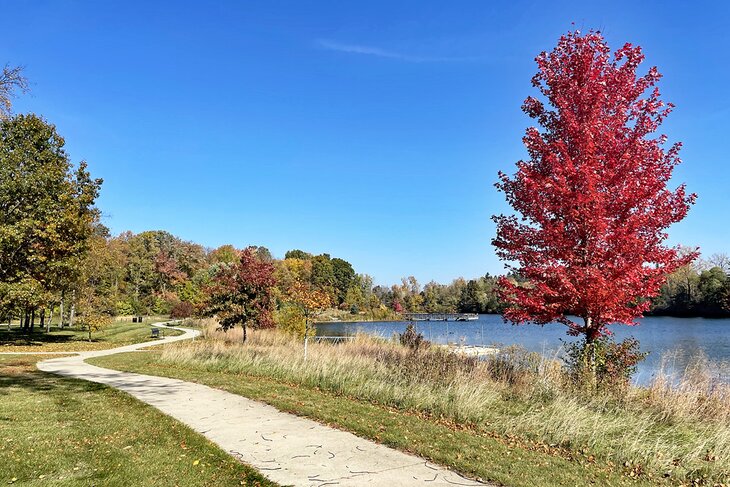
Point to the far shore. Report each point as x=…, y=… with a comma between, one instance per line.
x=657, y=314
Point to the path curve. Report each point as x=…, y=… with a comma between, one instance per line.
x=286, y=448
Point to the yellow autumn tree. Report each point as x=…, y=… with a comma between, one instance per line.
x=310, y=302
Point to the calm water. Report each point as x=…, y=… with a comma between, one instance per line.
x=679, y=340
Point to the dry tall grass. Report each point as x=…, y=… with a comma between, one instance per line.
x=680, y=425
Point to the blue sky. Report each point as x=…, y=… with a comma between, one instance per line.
x=372, y=130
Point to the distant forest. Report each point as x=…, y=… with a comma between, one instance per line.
x=156, y=272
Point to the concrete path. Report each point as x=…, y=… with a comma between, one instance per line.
x=286, y=448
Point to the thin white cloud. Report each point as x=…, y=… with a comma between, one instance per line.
x=376, y=51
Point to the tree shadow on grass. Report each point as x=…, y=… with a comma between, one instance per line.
x=32, y=380
x=18, y=337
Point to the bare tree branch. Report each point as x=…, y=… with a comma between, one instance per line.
x=11, y=80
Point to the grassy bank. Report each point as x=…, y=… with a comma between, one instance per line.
x=75, y=339
x=62, y=431
x=504, y=459
x=512, y=419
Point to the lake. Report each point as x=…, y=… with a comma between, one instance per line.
x=679, y=340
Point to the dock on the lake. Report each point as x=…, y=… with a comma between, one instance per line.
x=441, y=316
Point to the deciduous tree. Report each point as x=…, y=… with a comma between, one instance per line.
x=593, y=197
x=344, y=275
x=242, y=293
x=47, y=212
x=310, y=301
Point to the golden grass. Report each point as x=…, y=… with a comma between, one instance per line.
x=675, y=427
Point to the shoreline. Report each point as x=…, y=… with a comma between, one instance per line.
x=403, y=320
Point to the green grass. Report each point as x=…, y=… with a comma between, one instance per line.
x=75, y=339
x=474, y=451
x=59, y=431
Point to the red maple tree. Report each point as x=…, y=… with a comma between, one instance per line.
x=593, y=196
x=242, y=293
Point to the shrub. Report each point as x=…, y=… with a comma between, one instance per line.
x=614, y=362
x=513, y=365
x=411, y=338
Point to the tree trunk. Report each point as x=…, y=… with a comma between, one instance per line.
x=43, y=318
x=73, y=310
x=689, y=292
x=306, y=337
x=32, y=320
x=589, y=352
x=60, y=324
x=50, y=319
x=26, y=321
x=244, y=333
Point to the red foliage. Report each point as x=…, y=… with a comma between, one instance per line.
x=242, y=292
x=593, y=195
x=182, y=309
x=167, y=267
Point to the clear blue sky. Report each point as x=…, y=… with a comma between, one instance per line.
x=369, y=130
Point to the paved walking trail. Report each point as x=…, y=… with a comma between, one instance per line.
x=286, y=448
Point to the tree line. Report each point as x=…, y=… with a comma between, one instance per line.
x=155, y=272
x=700, y=288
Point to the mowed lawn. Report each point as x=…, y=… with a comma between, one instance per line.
x=60, y=431
x=77, y=340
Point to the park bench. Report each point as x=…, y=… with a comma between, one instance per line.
x=155, y=333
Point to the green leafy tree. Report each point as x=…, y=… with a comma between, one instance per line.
x=355, y=299
x=713, y=289
x=344, y=275
x=297, y=254
x=323, y=274
x=472, y=298
x=433, y=297
x=47, y=212
x=18, y=298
